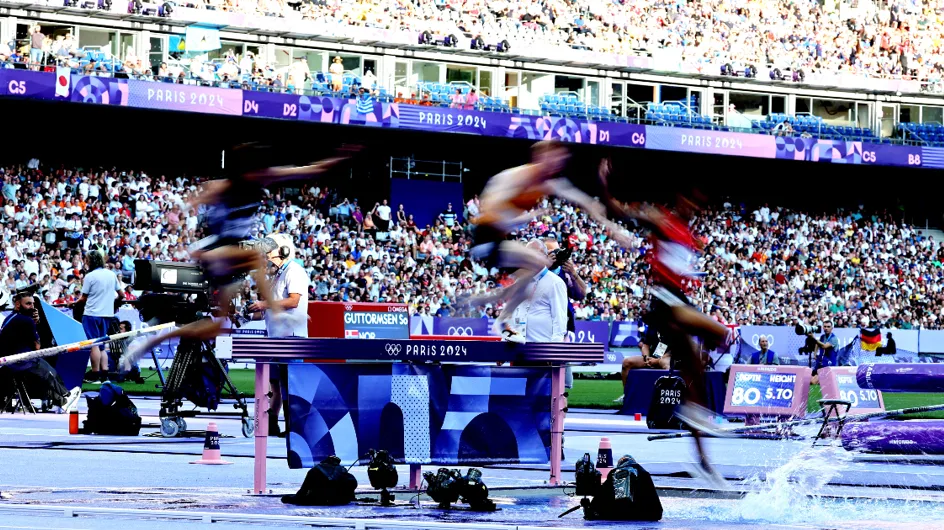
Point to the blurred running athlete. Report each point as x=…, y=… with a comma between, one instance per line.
x=232, y=202
x=672, y=272
x=506, y=203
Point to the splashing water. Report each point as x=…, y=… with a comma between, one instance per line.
x=793, y=490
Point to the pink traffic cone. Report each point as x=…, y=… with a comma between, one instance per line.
x=211, y=448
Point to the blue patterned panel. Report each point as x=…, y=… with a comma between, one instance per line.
x=423, y=414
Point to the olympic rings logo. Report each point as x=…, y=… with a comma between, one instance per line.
x=392, y=349
x=459, y=331
x=755, y=340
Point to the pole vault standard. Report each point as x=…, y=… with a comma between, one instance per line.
x=81, y=345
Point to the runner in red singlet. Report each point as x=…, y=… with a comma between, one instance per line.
x=672, y=272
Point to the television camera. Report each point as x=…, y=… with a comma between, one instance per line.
x=627, y=494
x=382, y=474
x=448, y=485
x=178, y=292
x=181, y=293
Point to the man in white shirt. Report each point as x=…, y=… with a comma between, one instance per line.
x=100, y=288
x=543, y=316
x=290, y=291
x=383, y=211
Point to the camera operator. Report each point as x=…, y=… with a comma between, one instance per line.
x=19, y=334
x=100, y=288
x=290, y=291
x=563, y=266
x=828, y=354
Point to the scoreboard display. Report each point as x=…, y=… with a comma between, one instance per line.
x=839, y=382
x=358, y=320
x=769, y=390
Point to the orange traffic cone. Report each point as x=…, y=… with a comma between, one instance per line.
x=605, y=457
x=211, y=448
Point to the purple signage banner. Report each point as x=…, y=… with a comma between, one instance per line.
x=319, y=109
x=345, y=112
x=25, y=83
x=710, y=142
x=170, y=96
x=99, y=90
x=210, y=100
x=892, y=155
x=592, y=331
x=439, y=119
x=270, y=105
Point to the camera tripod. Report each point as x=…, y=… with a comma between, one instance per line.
x=188, y=366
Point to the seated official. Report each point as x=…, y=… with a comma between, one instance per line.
x=655, y=354
x=889, y=348
x=764, y=355
x=19, y=335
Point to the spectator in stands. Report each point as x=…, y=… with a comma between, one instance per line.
x=401, y=216
x=337, y=74
x=472, y=100
x=365, y=100
x=448, y=216
x=382, y=216
x=6, y=51
x=36, y=46
x=369, y=80
x=457, y=100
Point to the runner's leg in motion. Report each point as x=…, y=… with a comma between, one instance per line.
x=512, y=254
x=201, y=330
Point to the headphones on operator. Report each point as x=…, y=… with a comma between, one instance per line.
x=284, y=250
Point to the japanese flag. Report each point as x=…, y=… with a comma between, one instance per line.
x=63, y=81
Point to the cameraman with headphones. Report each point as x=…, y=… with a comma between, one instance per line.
x=290, y=290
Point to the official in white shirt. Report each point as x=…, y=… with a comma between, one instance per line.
x=290, y=291
x=543, y=316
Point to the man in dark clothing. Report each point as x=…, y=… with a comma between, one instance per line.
x=889, y=348
x=19, y=335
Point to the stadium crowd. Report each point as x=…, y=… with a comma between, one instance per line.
x=766, y=266
x=901, y=37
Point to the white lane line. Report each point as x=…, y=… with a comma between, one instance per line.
x=42, y=528
x=584, y=421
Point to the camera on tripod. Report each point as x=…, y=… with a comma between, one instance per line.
x=181, y=293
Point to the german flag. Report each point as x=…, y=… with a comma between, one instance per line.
x=871, y=338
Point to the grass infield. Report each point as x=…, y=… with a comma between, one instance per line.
x=587, y=393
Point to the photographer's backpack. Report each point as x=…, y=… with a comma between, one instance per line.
x=112, y=412
x=627, y=494
x=667, y=394
x=327, y=484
